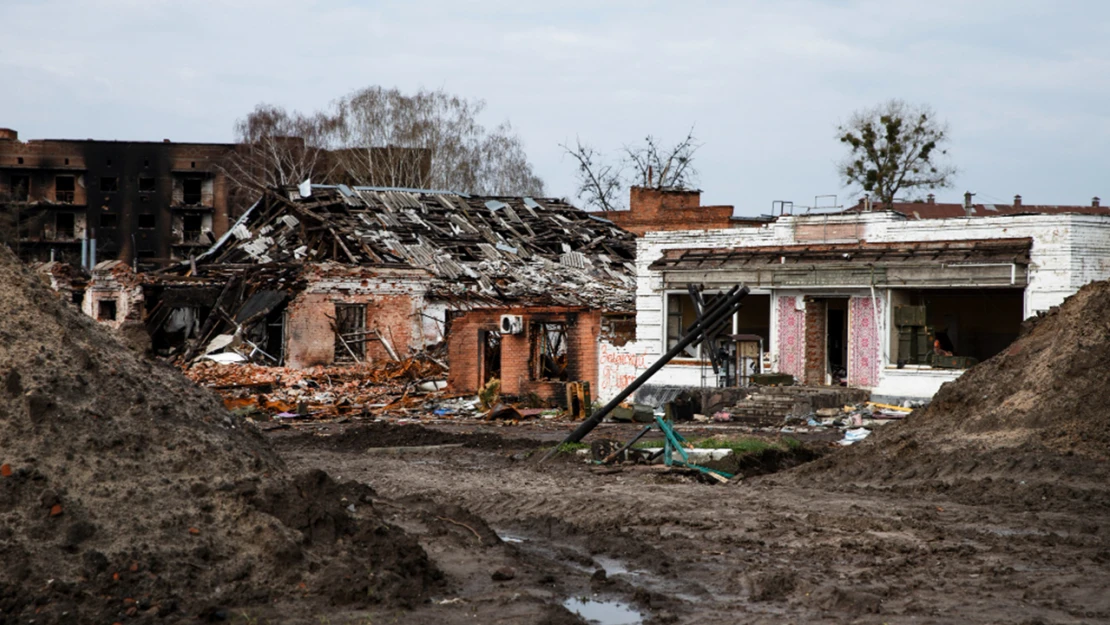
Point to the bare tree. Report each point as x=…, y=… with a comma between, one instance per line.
x=895, y=147
x=432, y=139
x=599, y=182
x=278, y=148
x=653, y=165
x=664, y=167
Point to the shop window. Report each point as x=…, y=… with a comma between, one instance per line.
x=64, y=188
x=350, y=332
x=953, y=328
x=106, y=310
x=549, y=351
x=681, y=314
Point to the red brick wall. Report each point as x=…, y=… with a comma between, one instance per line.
x=310, y=340
x=816, y=331
x=583, y=329
x=653, y=210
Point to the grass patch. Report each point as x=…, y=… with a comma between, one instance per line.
x=570, y=448
x=739, y=446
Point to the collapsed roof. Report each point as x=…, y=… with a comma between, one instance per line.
x=483, y=250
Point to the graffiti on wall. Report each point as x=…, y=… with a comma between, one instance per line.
x=618, y=367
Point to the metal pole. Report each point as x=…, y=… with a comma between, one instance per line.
x=696, y=332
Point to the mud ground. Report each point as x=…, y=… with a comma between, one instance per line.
x=783, y=548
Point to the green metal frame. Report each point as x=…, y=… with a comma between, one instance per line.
x=673, y=441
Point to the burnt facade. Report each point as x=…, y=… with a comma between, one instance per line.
x=85, y=201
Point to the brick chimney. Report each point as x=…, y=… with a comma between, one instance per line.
x=1017, y=200
x=1095, y=202
x=930, y=199
x=7, y=134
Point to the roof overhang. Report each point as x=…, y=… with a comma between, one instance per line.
x=970, y=263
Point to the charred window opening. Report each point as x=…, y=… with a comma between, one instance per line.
x=549, y=351
x=108, y=220
x=350, y=332
x=146, y=184
x=191, y=225
x=147, y=221
x=20, y=187
x=489, y=342
x=64, y=188
x=191, y=191
x=64, y=225
x=19, y=160
x=106, y=310
x=78, y=296
x=109, y=184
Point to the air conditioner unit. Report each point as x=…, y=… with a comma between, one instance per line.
x=512, y=324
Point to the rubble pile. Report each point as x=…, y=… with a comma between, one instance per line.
x=126, y=492
x=1028, y=425
x=320, y=392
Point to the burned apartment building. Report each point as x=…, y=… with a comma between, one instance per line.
x=896, y=301
x=84, y=201
x=519, y=289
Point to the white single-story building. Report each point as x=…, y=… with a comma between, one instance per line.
x=895, y=301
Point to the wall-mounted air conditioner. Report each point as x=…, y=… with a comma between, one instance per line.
x=512, y=324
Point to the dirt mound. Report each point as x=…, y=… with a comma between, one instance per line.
x=1028, y=426
x=381, y=434
x=127, y=491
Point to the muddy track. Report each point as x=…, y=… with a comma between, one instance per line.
x=763, y=551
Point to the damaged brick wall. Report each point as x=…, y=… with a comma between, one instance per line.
x=395, y=307
x=518, y=352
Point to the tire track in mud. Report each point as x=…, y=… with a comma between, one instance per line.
x=771, y=551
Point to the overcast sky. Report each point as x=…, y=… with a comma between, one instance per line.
x=1024, y=86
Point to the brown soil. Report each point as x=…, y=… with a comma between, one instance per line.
x=1027, y=427
x=382, y=434
x=988, y=507
x=127, y=492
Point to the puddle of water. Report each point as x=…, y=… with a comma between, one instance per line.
x=603, y=612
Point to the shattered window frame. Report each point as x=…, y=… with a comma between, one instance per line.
x=65, y=188
x=19, y=186
x=489, y=345
x=350, y=320
x=65, y=225
x=549, y=344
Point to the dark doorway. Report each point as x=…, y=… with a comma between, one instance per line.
x=837, y=340
x=489, y=345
